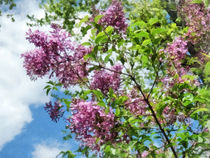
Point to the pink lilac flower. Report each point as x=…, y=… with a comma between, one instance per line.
x=38, y=38
x=135, y=104
x=105, y=80
x=36, y=63
x=55, y=55
x=197, y=18
x=90, y=123
x=114, y=16
x=54, y=111
x=72, y=69
x=175, y=52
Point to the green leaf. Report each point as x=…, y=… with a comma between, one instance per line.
x=107, y=57
x=199, y=110
x=197, y=1
x=93, y=33
x=46, y=87
x=117, y=112
x=144, y=59
x=67, y=137
x=107, y=148
x=153, y=21
x=208, y=124
x=158, y=31
x=146, y=42
x=98, y=94
x=85, y=93
x=207, y=69
x=188, y=97
x=85, y=19
x=68, y=153
x=140, y=23
x=101, y=103
x=51, y=82
x=93, y=68
x=90, y=55
x=48, y=90
x=111, y=93
x=142, y=34
x=67, y=102
x=122, y=99
x=85, y=29
x=86, y=44
x=109, y=30
x=133, y=120
x=101, y=38
x=206, y=2
x=97, y=18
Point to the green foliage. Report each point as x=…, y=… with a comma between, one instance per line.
x=7, y=5
x=63, y=10
x=138, y=50
x=67, y=154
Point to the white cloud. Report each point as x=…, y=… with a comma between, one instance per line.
x=48, y=150
x=17, y=92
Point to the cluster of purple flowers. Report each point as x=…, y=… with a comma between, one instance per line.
x=114, y=16
x=104, y=80
x=197, y=18
x=91, y=124
x=136, y=104
x=54, y=111
x=176, y=52
x=55, y=54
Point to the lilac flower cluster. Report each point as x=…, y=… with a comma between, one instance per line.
x=177, y=49
x=72, y=69
x=135, y=104
x=91, y=124
x=104, y=80
x=54, y=111
x=197, y=18
x=114, y=16
x=176, y=52
x=55, y=54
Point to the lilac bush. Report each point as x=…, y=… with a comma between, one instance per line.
x=138, y=93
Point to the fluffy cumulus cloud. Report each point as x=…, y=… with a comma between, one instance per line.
x=17, y=92
x=47, y=150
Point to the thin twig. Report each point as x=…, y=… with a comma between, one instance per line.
x=100, y=66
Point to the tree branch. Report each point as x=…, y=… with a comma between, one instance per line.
x=154, y=115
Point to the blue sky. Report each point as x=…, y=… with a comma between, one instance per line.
x=40, y=131
x=25, y=128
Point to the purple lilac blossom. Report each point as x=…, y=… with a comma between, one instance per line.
x=114, y=16
x=90, y=123
x=104, y=80
x=176, y=52
x=55, y=55
x=135, y=104
x=197, y=18
x=54, y=111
